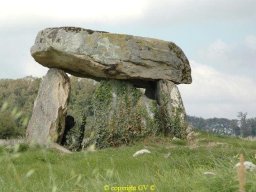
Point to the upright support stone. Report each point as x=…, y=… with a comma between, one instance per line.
x=47, y=123
x=171, y=105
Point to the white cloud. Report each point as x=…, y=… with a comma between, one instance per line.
x=250, y=42
x=186, y=11
x=215, y=93
x=82, y=10
x=111, y=11
x=34, y=69
x=238, y=57
x=218, y=49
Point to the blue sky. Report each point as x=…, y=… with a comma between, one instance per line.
x=218, y=37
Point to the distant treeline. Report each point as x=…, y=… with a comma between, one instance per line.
x=17, y=98
x=242, y=126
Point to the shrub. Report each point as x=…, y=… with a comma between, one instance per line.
x=8, y=127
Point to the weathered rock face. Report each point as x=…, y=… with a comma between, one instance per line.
x=48, y=118
x=116, y=110
x=95, y=54
x=171, y=107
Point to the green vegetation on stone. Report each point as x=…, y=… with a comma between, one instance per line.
x=105, y=111
x=115, y=115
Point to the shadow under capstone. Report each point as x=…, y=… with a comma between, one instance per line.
x=73, y=134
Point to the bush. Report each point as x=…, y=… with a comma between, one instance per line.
x=8, y=127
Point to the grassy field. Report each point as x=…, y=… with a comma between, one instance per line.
x=171, y=166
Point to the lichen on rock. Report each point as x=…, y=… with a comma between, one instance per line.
x=88, y=53
x=135, y=95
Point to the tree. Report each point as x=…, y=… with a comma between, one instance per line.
x=235, y=127
x=252, y=124
x=243, y=124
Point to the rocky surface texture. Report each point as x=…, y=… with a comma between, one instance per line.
x=171, y=107
x=96, y=54
x=137, y=94
x=48, y=118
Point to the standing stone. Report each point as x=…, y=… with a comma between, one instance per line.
x=47, y=123
x=119, y=110
x=172, y=109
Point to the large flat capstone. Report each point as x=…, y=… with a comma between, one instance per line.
x=96, y=54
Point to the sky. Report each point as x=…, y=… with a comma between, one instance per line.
x=217, y=36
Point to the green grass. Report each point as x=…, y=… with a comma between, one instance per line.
x=35, y=169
